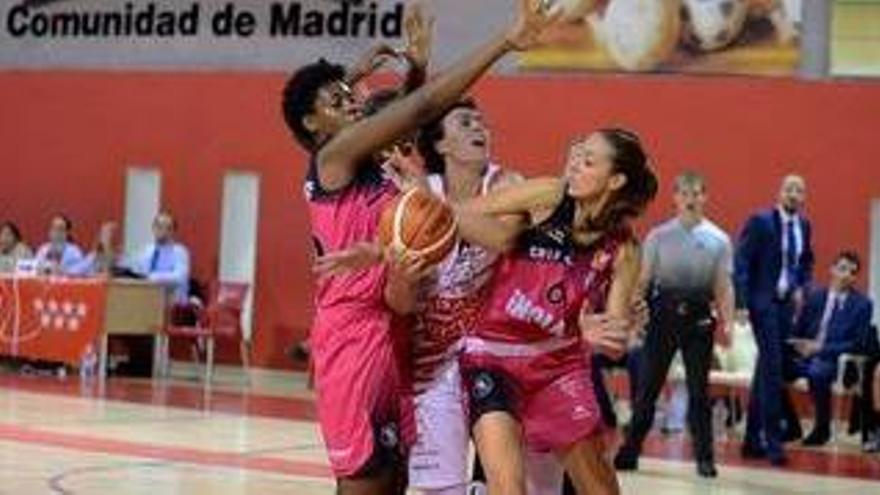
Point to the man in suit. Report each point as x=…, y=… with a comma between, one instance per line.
x=773, y=265
x=832, y=322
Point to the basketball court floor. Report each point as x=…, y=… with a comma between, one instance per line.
x=61, y=436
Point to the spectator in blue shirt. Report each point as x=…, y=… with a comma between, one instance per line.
x=165, y=261
x=59, y=256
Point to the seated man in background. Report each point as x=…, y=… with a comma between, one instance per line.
x=12, y=247
x=165, y=261
x=832, y=323
x=59, y=256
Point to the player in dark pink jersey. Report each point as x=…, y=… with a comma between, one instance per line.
x=524, y=364
x=357, y=364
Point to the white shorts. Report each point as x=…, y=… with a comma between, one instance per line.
x=439, y=457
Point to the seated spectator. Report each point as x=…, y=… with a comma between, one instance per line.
x=12, y=248
x=165, y=261
x=736, y=363
x=102, y=260
x=831, y=323
x=59, y=256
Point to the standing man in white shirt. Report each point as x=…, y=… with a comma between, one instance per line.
x=687, y=265
x=165, y=261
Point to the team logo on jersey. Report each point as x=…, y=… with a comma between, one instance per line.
x=483, y=386
x=556, y=294
x=309, y=187
x=557, y=235
x=388, y=436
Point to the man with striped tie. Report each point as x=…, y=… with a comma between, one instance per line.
x=832, y=322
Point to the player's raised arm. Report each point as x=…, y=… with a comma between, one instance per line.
x=338, y=159
x=495, y=220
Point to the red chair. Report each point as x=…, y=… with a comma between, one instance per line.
x=219, y=319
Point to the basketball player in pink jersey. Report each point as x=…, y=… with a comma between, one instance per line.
x=357, y=365
x=524, y=364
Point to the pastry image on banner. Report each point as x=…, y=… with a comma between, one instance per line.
x=758, y=37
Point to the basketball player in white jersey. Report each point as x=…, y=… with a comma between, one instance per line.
x=455, y=150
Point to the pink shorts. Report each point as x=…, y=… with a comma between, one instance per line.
x=361, y=399
x=557, y=406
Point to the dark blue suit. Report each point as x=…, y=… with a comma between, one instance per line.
x=758, y=263
x=845, y=330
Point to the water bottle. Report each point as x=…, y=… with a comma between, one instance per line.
x=719, y=421
x=89, y=363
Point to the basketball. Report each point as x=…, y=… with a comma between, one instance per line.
x=419, y=223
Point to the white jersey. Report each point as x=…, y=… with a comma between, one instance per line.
x=452, y=301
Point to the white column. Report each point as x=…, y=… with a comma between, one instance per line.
x=142, y=199
x=238, y=235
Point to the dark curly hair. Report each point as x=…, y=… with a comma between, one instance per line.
x=432, y=132
x=641, y=185
x=300, y=93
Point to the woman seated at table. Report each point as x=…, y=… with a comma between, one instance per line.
x=12, y=247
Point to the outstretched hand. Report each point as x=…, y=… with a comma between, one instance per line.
x=607, y=335
x=533, y=17
x=418, y=28
x=358, y=257
x=407, y=268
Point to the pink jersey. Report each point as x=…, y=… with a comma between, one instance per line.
x=453, y=301
x=340, y=219
x=537, y=294
x=358, y=351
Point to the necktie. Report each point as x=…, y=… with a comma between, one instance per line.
x=830, y=313
x=791, y=261
x=55, y=254
x=154, y=261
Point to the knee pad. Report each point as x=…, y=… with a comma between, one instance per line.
x=488, y=391
x=387, y=451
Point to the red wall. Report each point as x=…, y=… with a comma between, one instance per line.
x=68, y=137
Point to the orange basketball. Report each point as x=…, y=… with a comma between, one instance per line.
x=419, y=223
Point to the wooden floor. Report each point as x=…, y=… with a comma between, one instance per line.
x=170, y=437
